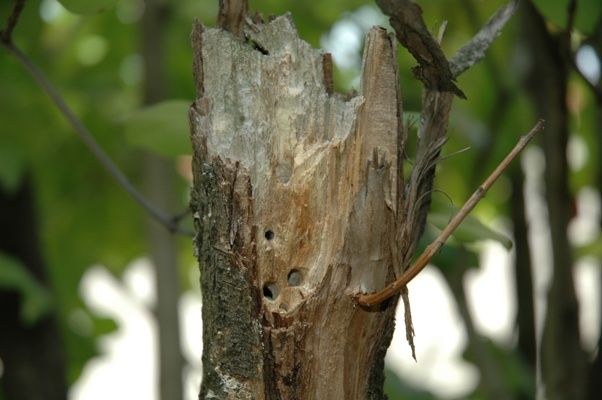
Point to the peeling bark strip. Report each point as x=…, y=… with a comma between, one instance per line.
x=295, y=197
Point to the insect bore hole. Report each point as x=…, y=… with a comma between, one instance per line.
x=269, y=234
x=270, y=291
x=295, y=277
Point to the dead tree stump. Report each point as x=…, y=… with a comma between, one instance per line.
x=295, y=202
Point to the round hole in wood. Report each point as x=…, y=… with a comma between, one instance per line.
x=295, y=277
x=269, y=234
x=270, y=291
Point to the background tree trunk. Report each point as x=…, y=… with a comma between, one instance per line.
x=563, y=361
x=294, y=199
x=160, y=183
x=32, y=354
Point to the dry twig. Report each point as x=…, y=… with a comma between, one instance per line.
x=369, y=300
x=474, y=51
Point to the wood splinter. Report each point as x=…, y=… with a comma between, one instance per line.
x=370, y=300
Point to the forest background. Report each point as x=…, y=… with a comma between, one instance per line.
x=79, y=260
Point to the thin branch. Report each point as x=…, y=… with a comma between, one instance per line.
x=474, y=51
x=85, y=135
x=369, y=300
x=433, y=68
x=181, y=215
x=6, y=34
x=570, y=21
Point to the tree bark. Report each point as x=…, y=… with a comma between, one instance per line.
x=294, y=200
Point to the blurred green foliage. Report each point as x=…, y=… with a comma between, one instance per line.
x=87, y=7
x=91, y=53
x=160, y=128
x=36, y=301
x=586, y=15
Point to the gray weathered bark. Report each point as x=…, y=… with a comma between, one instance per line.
x=294, y=200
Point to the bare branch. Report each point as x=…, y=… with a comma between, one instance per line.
x=436, y=107
x=474, y=51
x=405, y=17
x=85, y=135
x=6, y=33
x=570, y=19
x=369, y=300
x=437, y=75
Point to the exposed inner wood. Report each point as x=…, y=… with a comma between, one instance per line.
x=295, y=198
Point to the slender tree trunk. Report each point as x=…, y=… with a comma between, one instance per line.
x=492, y=383
x=294, y=200
x=32, y=354
x=525, y=314
x=160, y=183
x=562, y=358
x=595, y=383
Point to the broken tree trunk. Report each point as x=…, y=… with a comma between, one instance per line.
x=295, y=202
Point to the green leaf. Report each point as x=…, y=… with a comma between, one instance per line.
x=592, y=249
x=12, y=166
x=396, y=388
x=161, y=128
x=411, y=118
x=36, y=300
x=470, y=230
x=588, y=14
x=87, y=7
x=454, y=257
x=104, y=326
x=556, y=11
x=517, y=376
